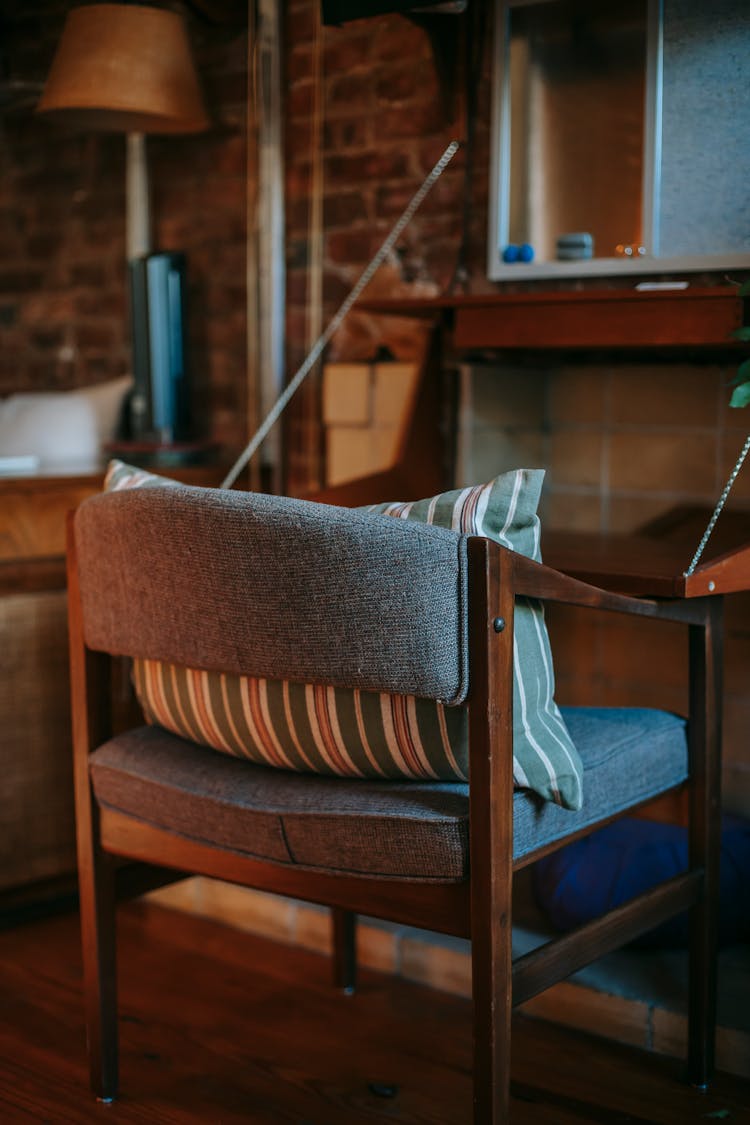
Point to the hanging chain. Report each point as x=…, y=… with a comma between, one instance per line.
x=717, y=510
x=317, y=348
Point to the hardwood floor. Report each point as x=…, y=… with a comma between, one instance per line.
x=219, y=1027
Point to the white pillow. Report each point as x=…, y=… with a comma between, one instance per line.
x=62, y=426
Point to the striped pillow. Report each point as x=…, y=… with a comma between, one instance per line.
x=352, y=733
x=544, y=757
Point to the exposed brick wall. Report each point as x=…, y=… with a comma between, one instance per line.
x=384, y=125
x=63, y=301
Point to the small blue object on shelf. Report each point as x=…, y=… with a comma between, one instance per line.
x=522, y=253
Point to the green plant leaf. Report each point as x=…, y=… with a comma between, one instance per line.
x=741, y=333
x=742, y=374
x=740, y=395
x=744, y=289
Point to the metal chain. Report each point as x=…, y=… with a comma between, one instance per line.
x=717, y=510
x=317, y=348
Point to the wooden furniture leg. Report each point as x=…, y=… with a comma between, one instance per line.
x=491, y=845
x=344, y=929
x=704, y=837
x=96, y=880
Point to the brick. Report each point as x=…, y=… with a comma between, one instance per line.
x=184, y=895
x=566, y=510
x=298, y=180
x=377, y=947
x=351, y=132
x=230, y=158
x=499, y=453
x=348, y=171
x=730, y=451
x=400, y=83
x=613, y=1017
x=658, y=394
x=350, y=246
x=732, y=1045
x=228, y=89
x=351, y=89
x=300, y=24
x=312, y=928
x=335, y=290
x=299, y=63
x=662, y=462
x=577, y=395
x=414, y=120
x=429, y=151
x=343, y=209
x=395, y=38
x=90, y=274
x=300, y=99
x=346, y=48
x=20, y=280
x=631, y=513
x=440, y=967
x=47, y=339
x=504, y=397
x=296, y=215
x=247, y=909
x=94, y=337
x=575, y=458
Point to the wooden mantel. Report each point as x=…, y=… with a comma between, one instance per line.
x=592, y=318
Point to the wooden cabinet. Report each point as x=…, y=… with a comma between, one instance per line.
x=37, y=842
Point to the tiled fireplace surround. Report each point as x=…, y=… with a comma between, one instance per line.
x=623, y=443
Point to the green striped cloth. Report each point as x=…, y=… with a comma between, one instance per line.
x=352, y=733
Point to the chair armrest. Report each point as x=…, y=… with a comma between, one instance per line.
x=534, y=580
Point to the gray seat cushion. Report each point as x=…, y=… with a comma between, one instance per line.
x=412, y=830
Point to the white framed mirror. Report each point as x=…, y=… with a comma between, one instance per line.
x=620, y=138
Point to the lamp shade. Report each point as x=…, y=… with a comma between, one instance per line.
x=124, y=68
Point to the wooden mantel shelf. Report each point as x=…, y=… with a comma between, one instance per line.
x=593, y=318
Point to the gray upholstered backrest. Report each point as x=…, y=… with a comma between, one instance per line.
x=268, y=586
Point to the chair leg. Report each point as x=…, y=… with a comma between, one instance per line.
x=491, y=989
x=344, y=928
x=705, y=838
x=97, y=908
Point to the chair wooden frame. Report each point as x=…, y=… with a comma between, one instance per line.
x=479, y=908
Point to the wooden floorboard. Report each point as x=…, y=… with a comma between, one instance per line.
x=219, y=1027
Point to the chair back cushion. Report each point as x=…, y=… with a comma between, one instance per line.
x=266, y=586
x=321, y=728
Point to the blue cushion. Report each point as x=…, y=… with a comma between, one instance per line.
x=629, y=755
x=624, y=859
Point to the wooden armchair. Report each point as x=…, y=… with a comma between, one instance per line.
x=263, y=586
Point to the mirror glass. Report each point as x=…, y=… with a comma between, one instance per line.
x=619, y=142
x=577, y=86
